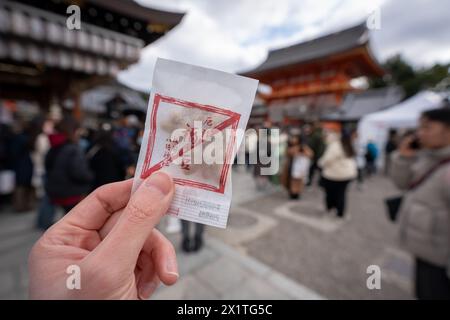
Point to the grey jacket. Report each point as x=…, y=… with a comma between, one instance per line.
x=424, y=217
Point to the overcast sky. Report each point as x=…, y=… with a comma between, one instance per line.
x=235, y=35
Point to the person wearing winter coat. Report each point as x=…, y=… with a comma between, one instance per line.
x=371, y=158
x=424, y=214
x=21, y=147
x=296, y=170
x=315, y=141
x=68, y=178
x=338, y=170
x=105, y=160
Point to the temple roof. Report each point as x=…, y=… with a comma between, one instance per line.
x=135, y=10
x=112, y=35
x=121, y=16
x=358, y=104
x=315, y=49
x=96, y=99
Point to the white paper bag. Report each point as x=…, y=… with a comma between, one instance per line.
x=7, y=181
x=195, y=123
x=300, y=167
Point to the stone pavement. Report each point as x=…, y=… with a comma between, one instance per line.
x=273, y=248
x=17, y=236
x=326, y=254
x=219, y=271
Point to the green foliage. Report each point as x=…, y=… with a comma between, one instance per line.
x=412, y=80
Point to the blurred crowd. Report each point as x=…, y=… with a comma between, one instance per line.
x=50, y=165
x=314, y=153
x=417, y=160
x=47, y=163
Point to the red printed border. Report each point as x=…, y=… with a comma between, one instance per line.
x=232, y=121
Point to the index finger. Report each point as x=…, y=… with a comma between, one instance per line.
x=93, y=212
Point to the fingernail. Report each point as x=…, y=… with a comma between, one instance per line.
x=147, y=289
x=160, y=181
x=172, y=268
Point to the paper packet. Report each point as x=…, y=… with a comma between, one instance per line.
x=195, y=123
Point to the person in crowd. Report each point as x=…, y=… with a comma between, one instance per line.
x=192, y=236
x=68, y=175
x=338, y=170
x=7, y=176
x=360, y=151
x=251, y=140
x=127, y=136
x=21, y=147
x=315, y=141
x=46, y=210
x=298, y=159
x=41, y=147
x=85, y=137
x=391, y=146
x=263, y=152
x=371, y=158
x=424, y=216
x=104, y=159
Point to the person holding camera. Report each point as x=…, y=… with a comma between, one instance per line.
x=421, y=167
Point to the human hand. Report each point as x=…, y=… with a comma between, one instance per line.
x=111, y=237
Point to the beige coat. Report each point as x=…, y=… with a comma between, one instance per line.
x=424, y=217
x=335, y=164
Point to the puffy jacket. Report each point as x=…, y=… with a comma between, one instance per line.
x=424, y=217
x=335, y=164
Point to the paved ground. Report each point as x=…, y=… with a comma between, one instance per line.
x=330, y=256
x=16, y=239
x=272, y=249
x=219, y=271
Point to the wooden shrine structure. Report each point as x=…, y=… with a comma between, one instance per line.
x=311, y=78
x=42, y=60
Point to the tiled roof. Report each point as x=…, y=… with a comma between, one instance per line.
x=314, y=49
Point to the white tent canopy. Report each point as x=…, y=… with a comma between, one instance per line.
x=376, y=126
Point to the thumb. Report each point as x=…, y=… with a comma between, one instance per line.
x=144, y=210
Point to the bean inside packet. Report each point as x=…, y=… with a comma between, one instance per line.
x=195, y=123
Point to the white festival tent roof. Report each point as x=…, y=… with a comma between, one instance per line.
x=405, y=115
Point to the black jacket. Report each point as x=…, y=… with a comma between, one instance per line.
x=68, y=172
x=106, y=164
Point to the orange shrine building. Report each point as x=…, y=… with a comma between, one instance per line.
x=312, y=78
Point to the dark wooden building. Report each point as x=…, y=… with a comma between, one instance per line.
x=41, y=59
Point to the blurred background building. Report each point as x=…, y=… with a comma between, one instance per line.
x=43, y=61
x=312, y=78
